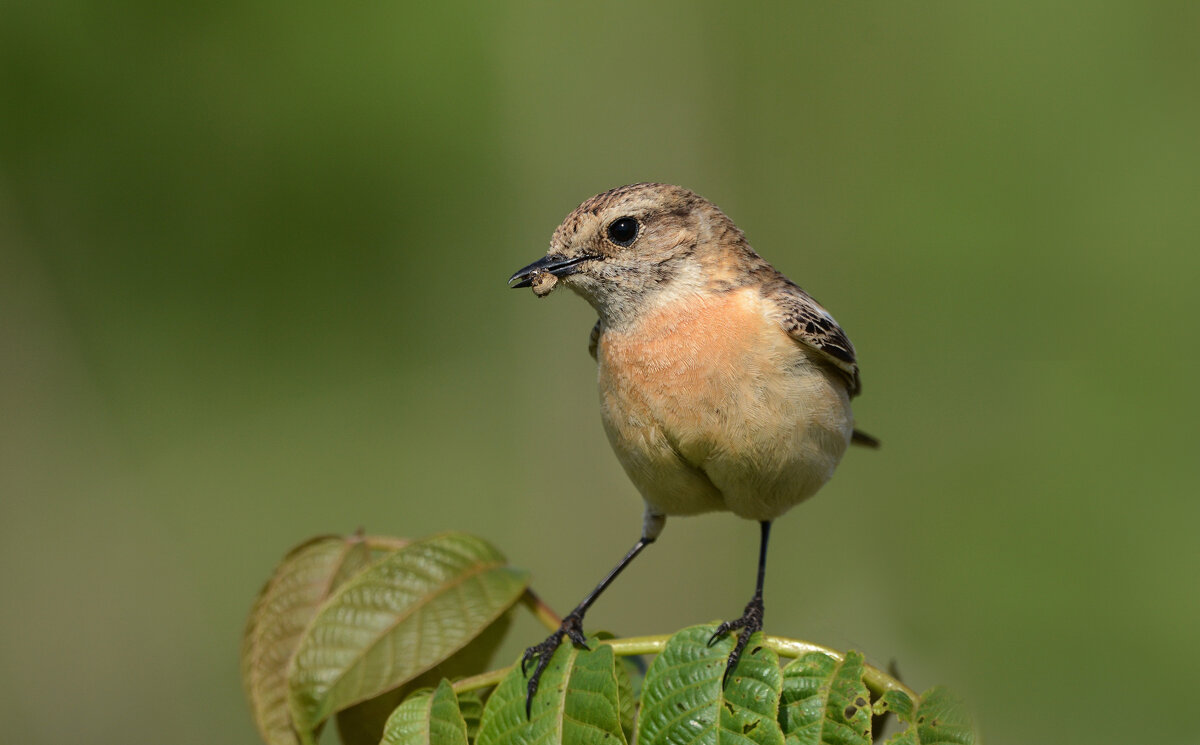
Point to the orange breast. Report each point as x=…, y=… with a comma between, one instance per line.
x=686, y=364
x=714, y=385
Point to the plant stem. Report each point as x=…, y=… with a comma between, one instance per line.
x=541, y=611
x=635, y=645
x=877, y=680
x=483, y=680
x=385, y=543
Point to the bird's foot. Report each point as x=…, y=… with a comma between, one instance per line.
x=571, y=628
x=751, y=621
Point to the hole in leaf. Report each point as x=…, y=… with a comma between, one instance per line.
x=849, y=712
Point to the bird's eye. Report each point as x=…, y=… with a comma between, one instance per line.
x=623, y=231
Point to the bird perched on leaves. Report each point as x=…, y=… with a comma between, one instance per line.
x=723, y=385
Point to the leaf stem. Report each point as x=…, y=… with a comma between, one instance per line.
x=877, y=680
x=483, y=680
x=544, y=613
x=541, y=612
x=636, y=645
x=384, y=543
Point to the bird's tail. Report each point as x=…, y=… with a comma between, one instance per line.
x=858, y=437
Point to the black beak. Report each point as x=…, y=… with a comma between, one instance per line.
x=556, y=264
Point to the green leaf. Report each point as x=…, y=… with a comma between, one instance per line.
x=404, y=614
x=427, y=718
x=576, y=702
x=899, y=703
x=362, y=723
x=625, y=695
x=825, y=702
x=894, y=702
x=939, y=719
x=470, y=703
x=683, y=702
x=285, y=606
x=383, y=545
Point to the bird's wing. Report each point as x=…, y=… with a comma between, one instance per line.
x=808, y=323
x=594, y=339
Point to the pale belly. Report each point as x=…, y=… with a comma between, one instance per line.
x=709, y=405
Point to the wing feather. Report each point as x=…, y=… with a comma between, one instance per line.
x=808, y=323
x=594, y=339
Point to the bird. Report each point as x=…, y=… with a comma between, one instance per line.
x=723, y=385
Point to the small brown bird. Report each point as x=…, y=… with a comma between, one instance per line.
x=723, y=385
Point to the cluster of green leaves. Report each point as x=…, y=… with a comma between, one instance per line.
x=354, y=628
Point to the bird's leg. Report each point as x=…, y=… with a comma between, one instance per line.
x=572, y=623
x=571, y=628
x=752, y=617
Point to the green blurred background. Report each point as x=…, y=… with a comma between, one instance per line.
x=252, y=288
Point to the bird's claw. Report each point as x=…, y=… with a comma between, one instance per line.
x=722, y=630
x=529, y=655
x=750, y=622
x=571, y=628
x=575, y=634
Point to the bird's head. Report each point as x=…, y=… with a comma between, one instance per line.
x=630, y=247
